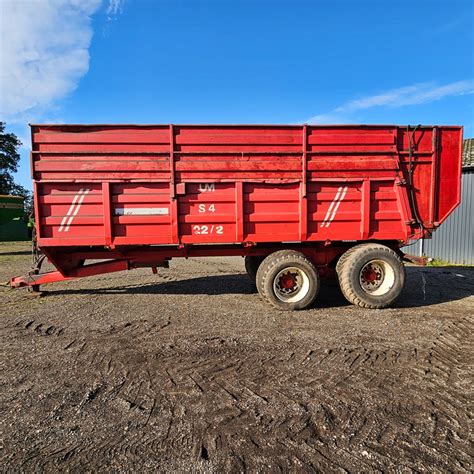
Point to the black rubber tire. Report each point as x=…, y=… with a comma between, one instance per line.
x=258, y=281
x=272, y=265
x=352, y=262
x=344, y=257
x=251, y=266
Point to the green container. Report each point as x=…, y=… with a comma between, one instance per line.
x=13, y=222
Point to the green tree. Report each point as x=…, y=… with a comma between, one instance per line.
x=9, y=160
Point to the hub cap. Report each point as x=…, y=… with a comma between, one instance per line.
x=377, y=277
x=291, y=285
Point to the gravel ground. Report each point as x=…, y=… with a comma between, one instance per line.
x=189, y=370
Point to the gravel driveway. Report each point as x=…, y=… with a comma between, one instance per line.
x=190, y=370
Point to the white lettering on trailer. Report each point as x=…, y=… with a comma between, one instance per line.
x=336, y=202
x=141, y=211
x=210, y=208
x=209, y=187
x=73, y=210
x=208, y=229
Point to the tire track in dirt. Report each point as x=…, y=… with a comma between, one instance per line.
x=41, y=328
x=155, y=393
x=450, y=364
x=150, y=400
x=247, y=392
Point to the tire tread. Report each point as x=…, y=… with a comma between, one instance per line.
x=345, y=266
x=271, y=261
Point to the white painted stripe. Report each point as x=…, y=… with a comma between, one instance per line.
x=76, y=210
x=337, y=207
x=71, y=208
x=141, y=211
x=331, y=206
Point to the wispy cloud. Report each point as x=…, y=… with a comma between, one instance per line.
x=45, y=52
x=114, y=9
x=410, y=95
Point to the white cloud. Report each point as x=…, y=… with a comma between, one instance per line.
x=114, y=8
x=411, y=95
x=44, y=52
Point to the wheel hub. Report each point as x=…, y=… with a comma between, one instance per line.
x=372, y=276
x=287, y=281
x=291, y=285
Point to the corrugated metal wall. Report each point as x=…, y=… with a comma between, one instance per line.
x=454, y=240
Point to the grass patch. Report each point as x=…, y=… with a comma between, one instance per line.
x=436, y=262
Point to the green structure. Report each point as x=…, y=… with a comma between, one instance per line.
x=13, y=222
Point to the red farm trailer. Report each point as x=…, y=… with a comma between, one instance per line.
x=299, y=202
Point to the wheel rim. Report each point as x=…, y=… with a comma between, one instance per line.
x=291, y=285
x=377, y=277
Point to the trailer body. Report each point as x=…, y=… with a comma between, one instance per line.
x=139, y=195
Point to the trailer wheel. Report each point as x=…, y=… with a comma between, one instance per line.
x=344, y=257
x=251, y=266
x=371, y=275
x=288, y=280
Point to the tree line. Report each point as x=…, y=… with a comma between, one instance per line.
x=9, y=162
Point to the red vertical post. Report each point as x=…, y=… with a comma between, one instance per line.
x=107, y=211
x=32, y=159
x=303, y=187
x=32, y=166
x=173, y=201
x=37, y=209
x=172, y=169
x=304, y=163
x=35, y=188
x=239, y=211
x=365, y=209
x=434, y=177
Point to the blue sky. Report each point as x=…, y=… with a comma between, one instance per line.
x=259, y=61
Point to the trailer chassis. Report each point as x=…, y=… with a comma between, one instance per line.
x=70, y=262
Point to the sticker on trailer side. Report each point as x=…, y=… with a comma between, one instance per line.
x=141, y=211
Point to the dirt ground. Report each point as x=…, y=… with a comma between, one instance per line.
x=189, y=370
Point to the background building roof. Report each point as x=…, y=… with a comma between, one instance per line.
x=468, y=153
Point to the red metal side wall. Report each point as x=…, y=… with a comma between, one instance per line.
x=128, y=185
